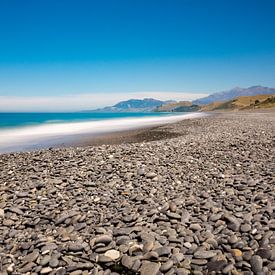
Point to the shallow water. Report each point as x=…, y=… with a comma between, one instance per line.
x=41, y=132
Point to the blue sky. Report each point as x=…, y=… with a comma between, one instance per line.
x=108, y=50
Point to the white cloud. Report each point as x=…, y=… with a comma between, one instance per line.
x=83, y=101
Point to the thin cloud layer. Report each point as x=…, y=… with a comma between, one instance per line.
x=82, y=101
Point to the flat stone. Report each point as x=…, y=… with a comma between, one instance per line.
x=106, y=239
x=31, y=257
x=173, y=215
x=228, y=268
x=149, y=268
x=151, y=175
x=104, y=259
x=199, y=261
x=27, y=268
x=16, y=210
x=233, y=224
x=195, y=226
x=113, y=254
x=264, y=253
x=245, y=227
x=152, y=255
x=236, y=252
x=45, y=260
x=203, y=254
x=46, y=270
x=166, y=266
x=216, y=265
x=53, y=262
x=127, y=261
x=75, y=247
x=163, y=251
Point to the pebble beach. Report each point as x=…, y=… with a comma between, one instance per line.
x=193, y=197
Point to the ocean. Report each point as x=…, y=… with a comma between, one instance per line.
x=28, y=131
x=8, y=120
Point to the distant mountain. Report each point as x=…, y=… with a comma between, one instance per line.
x=242, y=103
x=134, y=105
x=236, y=92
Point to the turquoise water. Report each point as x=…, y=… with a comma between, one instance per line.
x=14, y=120
x=28, y=131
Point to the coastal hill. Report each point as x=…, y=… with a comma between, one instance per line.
x=242, y=103
x=234, y=93
x=134, y=105
x=181, y=106
x=235, y=99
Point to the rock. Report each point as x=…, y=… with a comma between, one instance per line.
x=113, y=254
x=172, y=207
x=199, y=261
x=166, y=266
x=106, y=239
x=195, y=226
x=152, y=255
x=16, y=210
x=163, y=251
x=185, y=216
x=27, y=268
x=75, y=247
x=53, y=262
x=60, y=271
x=151, y=175
x=256, y=263
x=264, y=253
x=173, y=215
x=216, y=266
x=233, y=239
x=233, y=224
x=104, y=259
x=203, y=254
x=187, y=245
x=245, y=227
x=2, y=213
x=31, y=257
x=10, y=268
x=271, y=266
x=45, y=260
x=177, y=258
x=229, y=268
x=127, y=261
x=149, y=268
x=236, y=252
x=46, y=270
x=141, y=171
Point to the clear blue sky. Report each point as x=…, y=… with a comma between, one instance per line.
x=65, y=47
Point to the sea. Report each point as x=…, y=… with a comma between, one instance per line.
x=29, y=131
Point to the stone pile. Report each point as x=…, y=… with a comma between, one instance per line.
x=201, y=203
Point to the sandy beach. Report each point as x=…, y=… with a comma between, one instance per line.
x=193, y=197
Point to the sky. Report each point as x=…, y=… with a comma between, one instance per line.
x=70, y=55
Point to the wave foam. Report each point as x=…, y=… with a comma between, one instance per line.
x=12, y=139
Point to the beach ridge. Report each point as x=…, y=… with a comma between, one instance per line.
x=198, y=198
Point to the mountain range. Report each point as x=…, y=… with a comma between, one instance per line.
x=233, y=93
x=151, y=104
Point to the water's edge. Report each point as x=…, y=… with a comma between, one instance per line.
x=48, y=135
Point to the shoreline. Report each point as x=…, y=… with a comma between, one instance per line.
x=202, y=202
x=85, y=133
